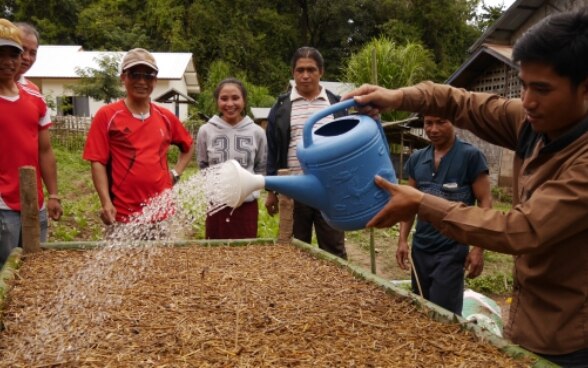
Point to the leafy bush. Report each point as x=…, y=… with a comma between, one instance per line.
x=494, y=283
x=501, y=194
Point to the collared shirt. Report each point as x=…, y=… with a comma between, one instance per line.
x=302, y=109
x=547, y=228
x=135, y=153
x=452, y=180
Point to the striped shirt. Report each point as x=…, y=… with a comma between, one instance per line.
x=302, y=109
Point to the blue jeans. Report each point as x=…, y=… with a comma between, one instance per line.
x=10, y=231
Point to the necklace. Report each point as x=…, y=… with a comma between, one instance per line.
x=139, y=114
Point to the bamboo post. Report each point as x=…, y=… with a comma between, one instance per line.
x=29, y=210
x=372, y=239
x=286, y=209
x=401, y=168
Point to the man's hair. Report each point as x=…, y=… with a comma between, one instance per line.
x=28, y=29
x=561, y=41
x=307, y=52
x=239, y=85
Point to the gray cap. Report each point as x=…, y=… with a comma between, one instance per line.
x=136, y=57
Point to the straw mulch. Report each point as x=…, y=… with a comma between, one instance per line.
x=253, y=306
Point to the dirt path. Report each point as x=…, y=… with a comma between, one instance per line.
x=358, y=252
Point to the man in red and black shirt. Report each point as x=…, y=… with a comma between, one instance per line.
x=128, y=142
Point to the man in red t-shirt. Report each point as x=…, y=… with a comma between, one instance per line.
x=128, y=142
x=30, y=45
x=25, y=141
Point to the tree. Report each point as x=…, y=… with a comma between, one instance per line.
x=7, y=8
x=257, y=96
x=397, y=66
x=445, y=30
x=54, y=19
x=256, y=37
x=167, y=23
x=102, y=84
x=489, y=15
x=106, y=25
x=337, y=28
x=253, y=36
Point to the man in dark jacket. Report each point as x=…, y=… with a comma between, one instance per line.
x=284, y=131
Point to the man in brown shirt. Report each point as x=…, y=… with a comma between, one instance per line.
x=547, y=227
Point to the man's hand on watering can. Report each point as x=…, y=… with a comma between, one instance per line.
x=271, y=203
x=374, y=100
x=403, y=204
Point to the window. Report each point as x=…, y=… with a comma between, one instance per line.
x=73, y=105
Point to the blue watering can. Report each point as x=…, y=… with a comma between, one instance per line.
x=339, y=160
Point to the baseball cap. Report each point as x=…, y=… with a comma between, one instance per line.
x=10, y=34
x=136, y=57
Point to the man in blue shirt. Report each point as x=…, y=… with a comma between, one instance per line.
x=457, y=171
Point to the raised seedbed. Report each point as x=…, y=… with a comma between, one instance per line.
x=252, y=305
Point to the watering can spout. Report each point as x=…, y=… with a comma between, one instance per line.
x=304, y=188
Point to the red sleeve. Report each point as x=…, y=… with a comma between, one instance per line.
x=97, y=145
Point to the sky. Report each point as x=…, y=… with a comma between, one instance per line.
x=507, y=3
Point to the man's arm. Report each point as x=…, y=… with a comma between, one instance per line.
x=489, y=116
x=183, y=161
x=474, y=264
x=100, y=179
x=402, y=251
x=48, y=168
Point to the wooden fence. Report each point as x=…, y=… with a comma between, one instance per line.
x=70, y=132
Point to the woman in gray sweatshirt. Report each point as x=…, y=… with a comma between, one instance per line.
x=231, y=134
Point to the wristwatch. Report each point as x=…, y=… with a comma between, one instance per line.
x=175, y=176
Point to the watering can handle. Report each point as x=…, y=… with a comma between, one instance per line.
x=307, y=132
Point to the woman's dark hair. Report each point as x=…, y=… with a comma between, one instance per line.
x=308, y=53
x=560, y=41
x=239, y=85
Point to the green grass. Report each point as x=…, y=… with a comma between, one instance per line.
x=80, y=203
x=81, y=206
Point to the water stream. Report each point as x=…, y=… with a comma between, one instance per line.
x=101, y=283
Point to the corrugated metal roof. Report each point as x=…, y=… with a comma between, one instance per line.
x=173, y=95
x=260, y=113
x=54, y=61
x=477, y=63
x=512, y=19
